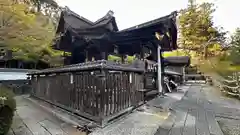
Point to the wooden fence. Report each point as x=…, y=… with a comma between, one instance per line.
x=231, y=85
x=98, y=91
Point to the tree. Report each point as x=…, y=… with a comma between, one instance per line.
x=29, y=35
x=235, y=47
x=48, y=7
x=197, y=32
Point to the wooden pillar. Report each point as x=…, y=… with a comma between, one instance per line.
x=86, y=55
x=160, y=62
x=103, y=48
x=141, y=53
x=184, y=74
x=104, y=55
x=160, y=73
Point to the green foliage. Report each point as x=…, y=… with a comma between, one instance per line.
x=7, y=108
x=29, y=35
x=130, y=59
x=49, y=8
x=215, y=65
x=235, y=48
x=174, y=53
x=114, y=58
x=196, y=28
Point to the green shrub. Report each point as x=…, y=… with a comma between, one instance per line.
x=7, y=109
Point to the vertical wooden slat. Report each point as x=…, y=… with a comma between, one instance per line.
x=114, y=92
x=88, y=97
x=84, y=91
x=98, y=96
x=122, y=91
x=117, y=92
x=75, y=93
x=95, y=97
x=107, y=95
x=91, y=99
x=125, y=90
x=109, y=89
x=102, y=96
x=80, y=91
x=92, y=94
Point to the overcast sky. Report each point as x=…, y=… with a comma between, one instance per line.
x=132, y=12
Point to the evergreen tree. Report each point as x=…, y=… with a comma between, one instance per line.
x=197, y=32
x=235, y=47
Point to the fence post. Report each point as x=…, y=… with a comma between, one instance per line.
x=102, y=95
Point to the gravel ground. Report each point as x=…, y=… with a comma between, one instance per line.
x=229, y=126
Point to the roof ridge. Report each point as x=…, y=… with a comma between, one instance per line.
x=172, y=15
x=68, y=11
x=109, y=14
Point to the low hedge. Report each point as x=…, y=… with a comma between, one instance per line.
x=7, y=109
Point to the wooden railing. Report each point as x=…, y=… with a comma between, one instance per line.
x=98, y=91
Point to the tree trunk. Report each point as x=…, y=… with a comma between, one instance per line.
x=205, y=53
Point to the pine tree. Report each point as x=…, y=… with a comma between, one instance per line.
x=197, y=32
x=235, y=47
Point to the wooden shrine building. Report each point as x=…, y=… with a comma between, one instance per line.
x=88, y=40
x=89, y=85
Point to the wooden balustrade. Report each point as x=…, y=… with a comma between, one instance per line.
x=98, y=91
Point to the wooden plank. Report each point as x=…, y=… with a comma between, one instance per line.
x=125, y=90
x=102, y=92
x=121, y=92
x=201, y=122
x=189, y=126
x=18, y=127
x=212, y=124
x=90, y=96
x=107, y=103
x=179, y=124
x=104, y=95
x=110, y=86
x=98, y=82
x=84, y=91
x=115, y=93
x=118, y=92
x=94, y=95
x=52, y=128
x=76, y=91
x=88, y=89
x=81, y=93
x=128, y=91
